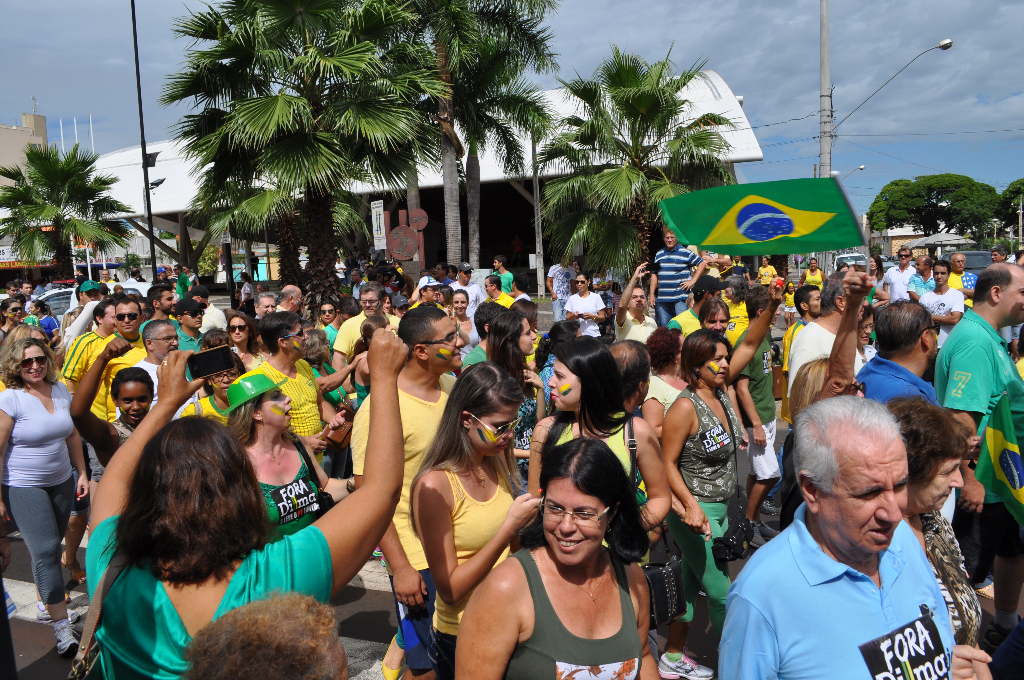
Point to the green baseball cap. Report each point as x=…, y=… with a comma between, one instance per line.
x=88, y=286
x=248, y=387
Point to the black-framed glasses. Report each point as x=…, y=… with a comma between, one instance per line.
x=15, y=310
x=858, y=387
x=579, y=517
x=325, y=312
x=238, y=329
x=366, y=301
x=903, y=256
x=195, y=314
x=446, y=340
x=933, y=327
x=30, y=361
x=579, y=281
x=131, y=316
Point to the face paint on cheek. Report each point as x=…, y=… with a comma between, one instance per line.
x=486, y=438
x=714, y=368
x=295, y=344
x=565, y=389
x=444, y=354
x=276, y=409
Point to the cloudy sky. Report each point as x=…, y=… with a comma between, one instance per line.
x=76, y=59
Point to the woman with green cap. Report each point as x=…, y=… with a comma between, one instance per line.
x=259, y=418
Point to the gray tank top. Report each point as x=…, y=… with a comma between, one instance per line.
x=553, y=652
x=707, y=462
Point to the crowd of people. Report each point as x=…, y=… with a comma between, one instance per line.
x=515, y=483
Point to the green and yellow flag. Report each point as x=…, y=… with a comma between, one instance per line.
x=767, y=218
x=1000, y=467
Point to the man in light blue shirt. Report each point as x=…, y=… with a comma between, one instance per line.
x=907, y=348
x=846, y=591
x=922, y=282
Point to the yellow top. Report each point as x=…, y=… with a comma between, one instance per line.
x=303, y=391
x=103, y=406
x=766, y=274
x=348, y=334
x=787, y=343
x=207, y=409
x=505, y=300
x=738, y=320
x=789, y=300
x=419, y=425
x=1020, y=368
x=631, y=329
x=83, y=351
x=814, y=279
x=687, y=322
x=957, y=281
x=474, y=523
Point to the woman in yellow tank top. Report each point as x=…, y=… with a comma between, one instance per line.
x=462, y=498
x=813, y=276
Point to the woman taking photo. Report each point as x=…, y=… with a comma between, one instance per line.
x=561, y=332
x=508, y=342
x=570, y=607
x=586, y=389
x=462, y=505
x=665, y=347
x=460, y=303
x=40, y=445
x=190, y=562
x=244, y=339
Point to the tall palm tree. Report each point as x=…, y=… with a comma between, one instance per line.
x=58, y=199
x=324, y=101
x=492, y=102
x=633, y=144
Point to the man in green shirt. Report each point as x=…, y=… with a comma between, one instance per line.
x=482, y=320
x=706, y=287
x=501, y=270
x=972, y=372
x=757, y=407
x=190, y=317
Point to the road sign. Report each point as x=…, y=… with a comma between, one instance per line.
x=380, y=236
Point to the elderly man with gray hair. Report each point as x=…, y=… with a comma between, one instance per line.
x=846, y=591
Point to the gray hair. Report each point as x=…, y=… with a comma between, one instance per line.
x=739, y=286
x=153, y=327
x=260, y=296
x=832, y=289
x=824, y=428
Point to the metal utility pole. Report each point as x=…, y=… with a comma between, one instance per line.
x=145, y=156
x=825, y=100
x=538, y=228
x=1020, y=220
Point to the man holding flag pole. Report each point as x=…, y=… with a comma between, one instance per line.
x=975, y=378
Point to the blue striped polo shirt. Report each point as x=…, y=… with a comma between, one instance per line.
x=676, y=266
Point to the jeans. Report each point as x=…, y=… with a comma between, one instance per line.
x=417, y=627
x=558, y=309
x=667, y=310
x=42, y=514
x=443, y=654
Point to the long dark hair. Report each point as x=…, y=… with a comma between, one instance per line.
x=503, y=347
x=592, y=467
x=562, y=331
x=250, y=345
x=601, y=409
x=699, y=348
x=194, y=504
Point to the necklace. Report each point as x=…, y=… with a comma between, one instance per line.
x=589, y=594
x=479, y=472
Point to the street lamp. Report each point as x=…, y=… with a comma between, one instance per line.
x=853, y=171
x=944, y=45
x=148, y=160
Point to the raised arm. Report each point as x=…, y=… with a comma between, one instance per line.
x=620, y=313
x=759, y=327
x=356, y=524
x=844, y=350
x=93, y=429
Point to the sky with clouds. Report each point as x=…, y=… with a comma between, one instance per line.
x=76, y=59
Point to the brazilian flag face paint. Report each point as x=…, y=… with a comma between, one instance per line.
x=277, y=409
x=714, y=368
x=486, y=436
x=444, y=354
x=565, y=389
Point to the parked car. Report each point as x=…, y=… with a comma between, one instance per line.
x=977, y=260
x=851, y=259
x=61, y=300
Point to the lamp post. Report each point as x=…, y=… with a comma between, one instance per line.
x=853, y=171
x=145, y=157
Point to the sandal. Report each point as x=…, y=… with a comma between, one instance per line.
x=77, y=573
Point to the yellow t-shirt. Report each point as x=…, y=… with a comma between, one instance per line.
x=687, y=322
x=1020, y=368
x=787, y=343
x=957, y=281
x=137, y=343
x=505, y=300
x=208, y=409
x=766, y=274
x=738, y=320
x=419, y=425
x=81, y=355
x=303, y=392
x=814, y=279
x=631, y=329
x=103, y=406
x=348, y=334
x=790, y=299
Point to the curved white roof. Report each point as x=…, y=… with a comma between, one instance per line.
x=709, y=95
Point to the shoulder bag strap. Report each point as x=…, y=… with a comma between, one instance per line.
x=92, y=620
x=735, y=451
x=634, y=470
x=314, y=478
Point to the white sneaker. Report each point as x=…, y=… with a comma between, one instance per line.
x=43, y=616
x=67, y=641
x=686, y=668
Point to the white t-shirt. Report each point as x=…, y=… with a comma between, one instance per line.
x=523, y=296
x=941, y=305
x=37, y=451
x=246, y=291
x=476, y=296
x=898, y=282
x=592, y=304
x=817, y=343
x=151, y=369
x=560, y=280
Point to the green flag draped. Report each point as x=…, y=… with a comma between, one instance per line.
x=1000, y=467
x=767, y=218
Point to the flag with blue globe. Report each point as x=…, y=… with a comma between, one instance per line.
x=1000, y=467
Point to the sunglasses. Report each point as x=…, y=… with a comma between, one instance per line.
x=446, y=340
x=903, y=257
x=497, y=433
x=325, y=312
x=195, y=315
x=15, y=310
x=579, y=282
x=131, y=316
x=300, y=334
x=238, y=329
x=37, y=361
x=368, y=301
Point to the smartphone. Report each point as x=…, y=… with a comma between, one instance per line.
x=653, y=267
x=210, y=362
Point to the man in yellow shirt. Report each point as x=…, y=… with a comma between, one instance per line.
x=492, y=286
x=766, y=273
x=371, y=300
x=735, y=296
x=705, y=288
x=85, y=348
x=808, y=305
x=127, y=316
x=422, y=394
x=631, y=320
x=960, y=279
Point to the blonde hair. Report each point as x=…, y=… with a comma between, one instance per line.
x=366, y=330
x=12, y=354
x=807, y=385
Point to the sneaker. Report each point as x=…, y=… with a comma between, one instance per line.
x=67, y=641
x=43, y=616
x=758, y=540
x=684, y=668
x=768, y=507
x=994, y=636
x=767, y=533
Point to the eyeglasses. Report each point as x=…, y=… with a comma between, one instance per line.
x=238, y=329
x=372, y=302
x=37, y=361
x=194, y=314
x=858, y=387
x=579, y=518
x=868, y=327
x=581, y=281
x=15, y=310
x=446, y=340
x=131, y=316
x=500, y=431
x=325, y=312
x=934, y=327
x=171, y=338
x=903, y=256
x=301, y=333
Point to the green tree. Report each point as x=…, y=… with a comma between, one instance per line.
x=303, y=97
x=633, y=144
x=58, y=199
x=1009, y=204
x=933, y=203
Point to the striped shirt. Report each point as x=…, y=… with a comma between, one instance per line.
x=82, y=353
x=303, y=391
x=675, y=266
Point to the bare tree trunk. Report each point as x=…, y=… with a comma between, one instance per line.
x=451, y=151
x=473, y=203
x=322, y=278
x=412, y=189
x=644, y=233
x=288, y=265
x=62, y=256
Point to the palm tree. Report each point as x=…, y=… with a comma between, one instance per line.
x=492, y=102
x=57, y=199
x=306, y=97
x=633, y=144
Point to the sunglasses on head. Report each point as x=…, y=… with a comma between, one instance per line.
x=131, y=316
x=29, y=362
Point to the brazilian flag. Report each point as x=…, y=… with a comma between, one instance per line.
x=766, y=218
x=1000, y=467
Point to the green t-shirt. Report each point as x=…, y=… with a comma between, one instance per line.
x=332, y=335
x=141, y=634
x=759, y=372
x=506, y=281
x=973, y=370
x=182, y=286
x=475, y=356
x=298, y=502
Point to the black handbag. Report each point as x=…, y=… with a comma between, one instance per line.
x=735, y=542
x=665, y=580
x=325, y=501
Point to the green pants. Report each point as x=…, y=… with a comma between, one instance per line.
x=700, y=569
